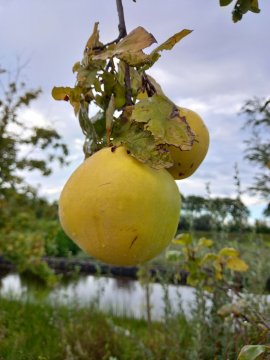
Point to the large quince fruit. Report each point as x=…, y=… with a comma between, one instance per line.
x=187, y=162
x=119, y=210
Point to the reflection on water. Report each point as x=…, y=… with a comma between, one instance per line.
x=119, y=295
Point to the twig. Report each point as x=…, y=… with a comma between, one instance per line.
x=122, y=33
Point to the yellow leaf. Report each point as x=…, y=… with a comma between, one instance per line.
x=236, y=264
x=203, y=242
x=182, y=239
x=94, y=38
x=134, y=42
x=169, y=44
x=217, y=266
x=229, y=252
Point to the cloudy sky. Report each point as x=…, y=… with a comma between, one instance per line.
x=212, y=71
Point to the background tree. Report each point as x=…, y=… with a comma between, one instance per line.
x=15, y=134
x=257, y=114
x=28, y=223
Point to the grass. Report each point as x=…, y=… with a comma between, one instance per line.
x=39, y=331
x=42, y=332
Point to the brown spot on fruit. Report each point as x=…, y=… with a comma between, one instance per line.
x=133, y=241
x=181, y=174
x=113, y=149
x=179, y=164
x=191, y=166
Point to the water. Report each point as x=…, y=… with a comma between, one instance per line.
x=117, y=295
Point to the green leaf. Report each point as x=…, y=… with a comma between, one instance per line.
x=162, y=119
x=109, y=118
x=113, y=86
x=88, y=129
x=229, y=252
x=182, y=239
x=119, y=95
x=86, y=78
x=99, y=122
x=210, y=257
x=141, y=144
x=254, y=7
x=236, y=15
x=236, y=264
x=135, y=78
x=252, y=352
x=243, y=6
x=224, y=2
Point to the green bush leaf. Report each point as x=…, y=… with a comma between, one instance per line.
x=252, y=352
x=173, y=255
x=162, y=119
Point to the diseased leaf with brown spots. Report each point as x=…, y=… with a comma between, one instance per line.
x=162, y=119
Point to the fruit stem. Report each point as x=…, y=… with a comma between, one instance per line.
x=122, y=33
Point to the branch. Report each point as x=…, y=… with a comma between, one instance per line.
x=122, y=33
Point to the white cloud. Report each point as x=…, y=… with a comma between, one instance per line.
x=33, y=117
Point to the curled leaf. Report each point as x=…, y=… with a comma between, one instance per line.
x=141, y=144
x=134, y=42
